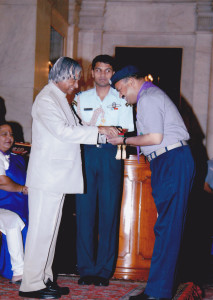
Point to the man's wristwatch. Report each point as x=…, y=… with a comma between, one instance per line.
x=124, y=140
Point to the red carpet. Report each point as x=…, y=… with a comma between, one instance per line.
x=118, y=289
x=188, y=291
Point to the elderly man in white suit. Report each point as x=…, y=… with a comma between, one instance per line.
x=54, y=169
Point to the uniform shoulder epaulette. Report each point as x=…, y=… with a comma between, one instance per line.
x=74, y=103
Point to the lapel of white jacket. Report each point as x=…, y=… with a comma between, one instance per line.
x=64, y=105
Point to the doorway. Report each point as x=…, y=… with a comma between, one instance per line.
x=164, y=64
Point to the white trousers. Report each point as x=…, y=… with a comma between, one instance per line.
x=45, y=210
x=11, y=225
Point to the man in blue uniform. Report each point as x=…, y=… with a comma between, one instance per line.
x=100, y=106
x=162, y=137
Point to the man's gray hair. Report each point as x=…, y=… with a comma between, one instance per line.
x=63, y=69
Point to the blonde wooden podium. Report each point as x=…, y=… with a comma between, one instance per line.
x=137, y=219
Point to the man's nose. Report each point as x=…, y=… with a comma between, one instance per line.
x=103, y=74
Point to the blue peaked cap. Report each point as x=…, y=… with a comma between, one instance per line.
x=125, y=72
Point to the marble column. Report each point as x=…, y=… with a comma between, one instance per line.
x=91, y=21
x=17, y=48
x=203, y=73
x=202, y=63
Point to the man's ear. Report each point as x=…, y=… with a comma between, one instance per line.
x=131, y=81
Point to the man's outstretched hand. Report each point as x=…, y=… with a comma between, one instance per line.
x=108, y=131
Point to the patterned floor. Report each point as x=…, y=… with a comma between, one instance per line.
x=117, y=290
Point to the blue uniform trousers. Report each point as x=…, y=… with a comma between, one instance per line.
x=171, y=180
x=103, y=190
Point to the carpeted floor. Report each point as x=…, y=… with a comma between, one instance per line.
x=118, y=289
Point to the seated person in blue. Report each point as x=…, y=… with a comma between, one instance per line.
x=13, y=207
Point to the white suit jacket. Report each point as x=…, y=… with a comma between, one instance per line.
x=55, y=159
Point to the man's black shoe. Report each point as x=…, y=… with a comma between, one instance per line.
x=86, y=280
x=53, y=286
x=41, y=294
x=143, y=296
x=101, y=281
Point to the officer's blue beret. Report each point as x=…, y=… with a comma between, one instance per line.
x=125, y=72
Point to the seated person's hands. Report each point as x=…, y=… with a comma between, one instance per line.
x=24, y=190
